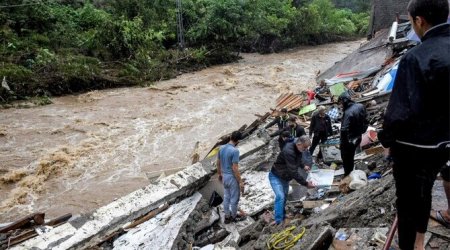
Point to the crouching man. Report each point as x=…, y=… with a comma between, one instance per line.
x=284, y=170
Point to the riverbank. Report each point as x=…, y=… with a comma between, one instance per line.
x=56, y=157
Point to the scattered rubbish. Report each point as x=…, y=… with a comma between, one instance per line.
x=359, y=179
x=378, y=238
x=374, y=176
x=341, y=235
x=359, y=238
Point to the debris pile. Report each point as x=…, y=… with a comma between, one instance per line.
x=356, y=212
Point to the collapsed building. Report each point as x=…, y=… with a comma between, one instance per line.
x=177, y=212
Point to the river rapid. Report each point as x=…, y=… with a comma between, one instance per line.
x=83, y=151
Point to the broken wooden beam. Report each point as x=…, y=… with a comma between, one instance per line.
x=59, y=220
x=30, y=233
x=38, y=219
x=147, y=217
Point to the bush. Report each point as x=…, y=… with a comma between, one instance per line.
x=64, y=46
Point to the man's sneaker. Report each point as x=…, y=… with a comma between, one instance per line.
x=228, y=220
x=239, y=218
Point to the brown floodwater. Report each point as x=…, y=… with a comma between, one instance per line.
x=83, y=151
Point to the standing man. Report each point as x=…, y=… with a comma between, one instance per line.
x=284, y=170
x=228, y=170
x=416, y=123
x=281, y=120
x=321, y=128
x=353, y=125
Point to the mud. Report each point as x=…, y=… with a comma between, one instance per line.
x=84, y=151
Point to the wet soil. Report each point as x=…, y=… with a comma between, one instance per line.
x=82, y=152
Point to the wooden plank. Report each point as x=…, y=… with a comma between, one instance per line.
x=297, y=104
x=281, y=97
x=295, y=100
x=283, y=103
x=287, y=96
x=148, y=216
x=31, y=233
x=38, y=219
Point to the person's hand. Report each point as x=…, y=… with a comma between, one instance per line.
x=309, y=184
x=307, y=168
x=241, y=187
x=220, y=178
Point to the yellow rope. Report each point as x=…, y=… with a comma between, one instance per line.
x=284, y=239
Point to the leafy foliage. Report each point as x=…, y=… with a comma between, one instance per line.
x=52, y=47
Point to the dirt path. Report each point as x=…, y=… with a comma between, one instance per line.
x=84, y=151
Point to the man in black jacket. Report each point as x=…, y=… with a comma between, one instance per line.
x=417, y=132
x=294, y=129
x=353, y=125
x=281, y=120
x=321, y=128
x=286, y=168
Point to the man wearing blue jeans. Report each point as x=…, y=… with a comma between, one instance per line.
x=284, y=170
x=228, y=170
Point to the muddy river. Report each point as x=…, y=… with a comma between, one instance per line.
x=83, y=151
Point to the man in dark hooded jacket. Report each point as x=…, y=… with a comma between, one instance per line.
x=294, y=129
x=281, y=120
x=416, y=124
x=353, y=125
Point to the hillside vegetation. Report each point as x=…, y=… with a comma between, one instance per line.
x=50, y=47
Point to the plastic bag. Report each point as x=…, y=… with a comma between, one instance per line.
x=359, y=179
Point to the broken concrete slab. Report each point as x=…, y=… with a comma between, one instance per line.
x=251, y=145
x=160, y=230
x=236, y=230
x=258, y=194
x=89, y=230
